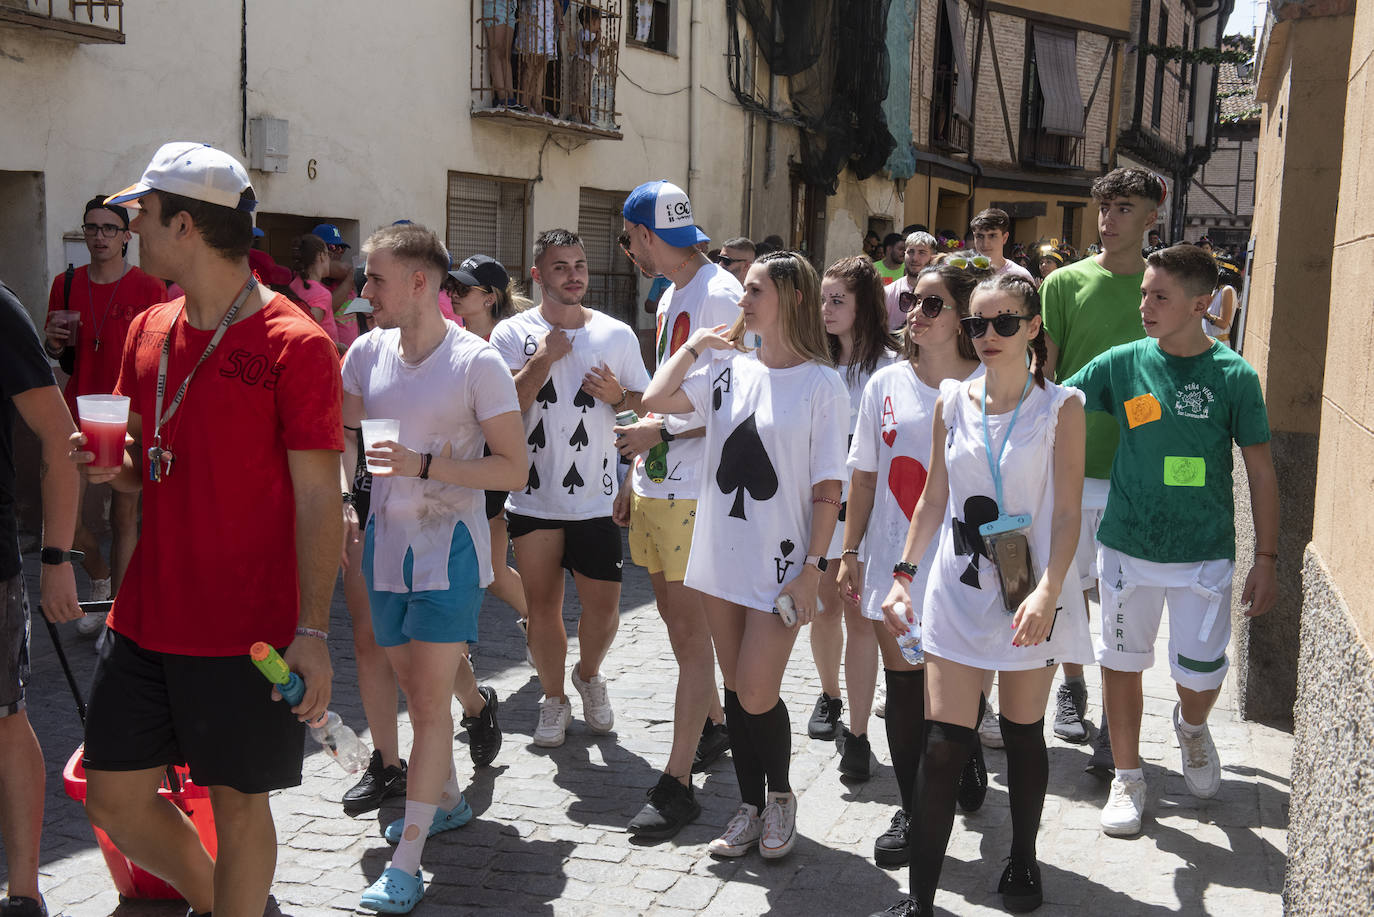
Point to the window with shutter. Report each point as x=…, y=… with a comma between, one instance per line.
x=487, y=216
x=613, y=283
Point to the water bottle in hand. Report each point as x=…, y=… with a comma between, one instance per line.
x=340, y=742
x=786, y=609
x=910, y=642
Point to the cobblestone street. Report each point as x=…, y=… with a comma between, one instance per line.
x=549, y=834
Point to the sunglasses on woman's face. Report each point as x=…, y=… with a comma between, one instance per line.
x=930, y=306
x=1006, y=324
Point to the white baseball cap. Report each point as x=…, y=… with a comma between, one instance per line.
x=194, y=170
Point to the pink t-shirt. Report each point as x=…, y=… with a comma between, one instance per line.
x=317, y=296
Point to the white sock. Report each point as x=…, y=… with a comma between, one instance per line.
x=1131, y=773
x=1188, y=727
x=419, y=815
x=453, y=793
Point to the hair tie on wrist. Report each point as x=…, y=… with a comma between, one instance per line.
x=424, y=465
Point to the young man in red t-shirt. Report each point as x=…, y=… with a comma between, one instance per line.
x=238, y=464
x=108, y=294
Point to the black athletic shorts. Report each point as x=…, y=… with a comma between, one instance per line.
x=591, y=547
x=496, y=502
x=212, y=713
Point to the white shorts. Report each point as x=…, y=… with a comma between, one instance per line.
x=1095, y=492
x=1134, y=593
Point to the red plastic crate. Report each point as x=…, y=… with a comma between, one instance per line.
x=129, y=880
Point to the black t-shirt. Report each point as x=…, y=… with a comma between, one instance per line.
x=22, y=367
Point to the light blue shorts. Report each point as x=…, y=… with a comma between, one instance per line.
x=434, y=616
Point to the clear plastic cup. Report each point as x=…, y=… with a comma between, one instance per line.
x=104, y=420
x=69, y=319
x=379, y=431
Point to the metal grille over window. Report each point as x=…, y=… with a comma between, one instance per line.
x=547, y=62
x=486, y=216
x=613, y=285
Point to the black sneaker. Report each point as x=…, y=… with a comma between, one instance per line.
x=1020, y=886
x=973, y=782
x=484, y=733
x=19, y=906
x=1102, y=764
x=714, y=742
x=671, y=806
x=825, y=719
x=893, y=846
x=1069, y=706
x=854, y=756
x=379, y=783
x=907, y=907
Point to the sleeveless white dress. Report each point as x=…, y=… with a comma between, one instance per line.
x=962, y=617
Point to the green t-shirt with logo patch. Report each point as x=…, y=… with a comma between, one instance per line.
x=1171, y=498
x=1088, y=309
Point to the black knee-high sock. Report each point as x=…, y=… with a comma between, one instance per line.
x=748, y=769
x=906, y=726
x=947, y=748
x=1028, y=773
x=771, y=734
x=977, y=753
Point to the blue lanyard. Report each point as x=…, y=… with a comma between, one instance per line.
x=996, y=466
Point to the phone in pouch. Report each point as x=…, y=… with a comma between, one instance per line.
x=1009, y=550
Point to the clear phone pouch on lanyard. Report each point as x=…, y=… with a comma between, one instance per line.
x=1008, y=543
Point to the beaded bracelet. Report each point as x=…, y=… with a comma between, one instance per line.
x=826, y=500
x=854, y=551
x=312, y=632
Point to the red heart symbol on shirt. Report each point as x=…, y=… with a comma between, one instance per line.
x=906, y=478
x=890, y=436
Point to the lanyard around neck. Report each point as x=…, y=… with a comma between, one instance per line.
x=224, y=324
x=995, y=465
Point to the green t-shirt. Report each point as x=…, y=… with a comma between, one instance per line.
x=889, y=274
x=1088, y=310
x=1171, y=499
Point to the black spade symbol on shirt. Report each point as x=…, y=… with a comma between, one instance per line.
x=579, y=437
x=583, y=400
x=534, y=480
x=967, y=541
x=786, y=547
x=547, y=395
x=536, y=440
x=572, y=480
x=745, y=466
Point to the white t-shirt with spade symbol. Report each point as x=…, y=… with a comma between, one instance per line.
x=573, y=470
x=892, y=438
x=771, y=434
x=441, y=403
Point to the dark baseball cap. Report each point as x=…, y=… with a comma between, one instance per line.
x=481, y=271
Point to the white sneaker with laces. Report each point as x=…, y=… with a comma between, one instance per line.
x=554, y=716
x=1201, y=767
x=1125, y=807
x=779, y=826
x=596, y=702
x=740, y=835
x=880, y=699
x=524, y=626
x=90, y=623
x=989, y=729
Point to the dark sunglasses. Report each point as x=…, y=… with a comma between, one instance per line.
x=726, y=262
x=930, y=306
x=1006, y=324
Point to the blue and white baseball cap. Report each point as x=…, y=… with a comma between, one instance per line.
x=664, y=208
x=194, y=170
x=330, y=234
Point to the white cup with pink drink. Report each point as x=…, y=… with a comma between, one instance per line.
x=104, y=421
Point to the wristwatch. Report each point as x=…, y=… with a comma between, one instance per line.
x=54, y=556
x=816, y=561
x=664, y=434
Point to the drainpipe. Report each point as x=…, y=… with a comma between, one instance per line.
x=693, y=101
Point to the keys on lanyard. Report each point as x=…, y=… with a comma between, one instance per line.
x=159, y=462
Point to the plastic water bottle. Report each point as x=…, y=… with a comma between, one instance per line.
x=338, y=741
x=786, y=610
x=910, y=642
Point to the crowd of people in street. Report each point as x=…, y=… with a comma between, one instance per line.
x=932, y=457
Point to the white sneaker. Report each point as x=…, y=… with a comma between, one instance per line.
x=554, y=716
x=524, y=625
x=596, y=703
x=100, y=589
x=1201, y=767
x=740, y=835
x=90, y=623
x=880, y=699
x=1125, y=807
x=989, y=729
x=779, y=826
